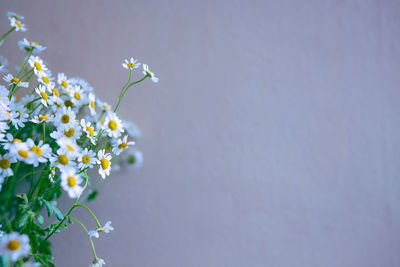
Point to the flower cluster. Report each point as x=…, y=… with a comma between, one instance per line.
x=53, y=130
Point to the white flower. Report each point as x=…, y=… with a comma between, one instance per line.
x=73, y=133
x=27, y=46
x=37, y=64
x=92, y=104
x=65, y=118
x=42, y=152
x=41, y=90
x=19, y=115
x=19, y=26
x=11, y=14
x=70, y=182
x=113, y=125
x=22, y=152
x=63, y=80
x=31, y=264
x=103, y=105
x=106, y=229
x=4, y=101
x=62, y=161
x=86, y=159
x=5, y=165
x=134, y=158
x=14, y=245
x=42, y=118
x=3, y=64
x=68, y=147
x=14, y=80
x=45, y=78
x=52, y=174
x=132, y=64
x=121, y=144
x=147, y=72
x=104, y=160
x=97, y=263
x=89, y=130
x=76, y=94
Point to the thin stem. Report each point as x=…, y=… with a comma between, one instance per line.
x=91, y=212
x=123, y=91
x=87, y=232
x=23, y=63
x=5, y=35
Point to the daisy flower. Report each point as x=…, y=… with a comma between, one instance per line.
x=76, y=94
x=92, y=104
x=121, y=144
x=104, y=106
x=41, y=91
x=45, y=77
x=22, y=152
x=68, y=147
x=134, y=158
x=106, y=229
x=70, y=182
x=11, y=143
x=104, y=160
x=42, y=152
x=113, y=125
x=89, y=130
x=3, y=126
x=28, y=46
x=147, y=72
x=14, y=245
x=62, y=161
x=15, y=81
x=63, y=80
x=41, y=118
x=86, y=159
x=73, y=133
x=52, y=174
x=19, y=26
x=37, y=64
x=65, y=118
x=19, y=114
x=3, y=64
x=4, y=101
x=132, y=64
x=97, y=263
x=11, y=15
x=5, y=165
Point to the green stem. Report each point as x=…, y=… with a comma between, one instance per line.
x=87, y=232
x=123, y=91
x=24, y=61
x=5, y=35
x=91, y=212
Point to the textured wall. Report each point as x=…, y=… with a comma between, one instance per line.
x=272, y=139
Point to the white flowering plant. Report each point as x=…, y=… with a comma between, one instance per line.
x=53, y=130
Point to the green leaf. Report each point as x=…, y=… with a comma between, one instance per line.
x=58, y=214
x=92, y=195
x=40, y=219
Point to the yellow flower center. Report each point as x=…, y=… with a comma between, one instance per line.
x=86, y=159
x=100, y=230
x=106, y=107
x=71, y=148
x=15, y=80
x=18, y=24
x=123, y=145
x=37, y=66
x=55, y=91
x=9, y=114
x=19, y=116
x=112, y=125
x=64, y=84
x=53, y=172
x=65, y=118
x=45, y=79
x=71, y=181
x=16, y=140
x=23, y=153
x=68, y=103
x=70, y=132
x=43, y=117
x=17, y=98
x=90, y=130
x=13, y=245
x=77, y=96
x=92, y=104
x=34, y=43
x=104, y=163
x=44, y=95
x=5, y=164
x=131, y=65
x=63, y=159
x=37, y=150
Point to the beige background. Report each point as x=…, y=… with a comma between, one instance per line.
x=272, y=138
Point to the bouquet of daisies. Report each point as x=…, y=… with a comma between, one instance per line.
x=53, y=130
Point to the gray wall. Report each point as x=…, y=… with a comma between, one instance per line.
x=272, y=138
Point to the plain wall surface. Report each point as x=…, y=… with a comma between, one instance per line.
x=272, y=139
